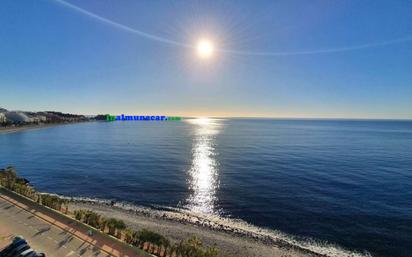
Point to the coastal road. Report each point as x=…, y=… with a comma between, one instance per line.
x=55, y=234
x=43, y=236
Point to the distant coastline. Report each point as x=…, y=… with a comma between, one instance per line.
x=15, y=121
x=10, y=129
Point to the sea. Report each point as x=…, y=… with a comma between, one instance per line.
x=346, y=183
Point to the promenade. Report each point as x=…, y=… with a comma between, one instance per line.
x=55, y=234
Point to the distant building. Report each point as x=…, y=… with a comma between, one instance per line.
x=35, y=117
x=42, y=118
x=17, y=117
x=20, y=117
x=3, y=118
x=51, y=117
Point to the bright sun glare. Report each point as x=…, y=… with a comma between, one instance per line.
x=205, y=48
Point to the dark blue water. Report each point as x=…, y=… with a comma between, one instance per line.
x=345, y=182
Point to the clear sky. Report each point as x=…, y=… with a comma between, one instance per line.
x=345, y=59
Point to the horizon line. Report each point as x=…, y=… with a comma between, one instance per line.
x=233, y=116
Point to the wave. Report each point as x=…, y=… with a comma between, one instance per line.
x=230, y=225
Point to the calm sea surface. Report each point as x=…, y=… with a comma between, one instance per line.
x=345, y=182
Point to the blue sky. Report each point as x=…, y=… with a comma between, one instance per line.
x=53, y=57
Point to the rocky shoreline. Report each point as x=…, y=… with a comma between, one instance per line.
x=233, y=237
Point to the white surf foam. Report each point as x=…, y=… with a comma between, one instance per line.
x=230, y=225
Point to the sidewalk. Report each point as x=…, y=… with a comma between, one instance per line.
x=5, y=237
x=102, y=241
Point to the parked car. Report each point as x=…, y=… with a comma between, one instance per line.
x=19, y=248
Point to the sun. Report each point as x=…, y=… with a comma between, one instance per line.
x=205, y=48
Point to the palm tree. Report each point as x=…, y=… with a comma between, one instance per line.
x=78, y=215
x=120, y=226
x=163, y=243
x=166, y=245
x=179, y=249
x=66, y=206
x=111, y=224
x=128, y=235
x=172, y=250
x=9, y=177
x=86, y=217
x=52, y=201
x=137, y=241
x=190, y=248
x=103, y=224
x=211, y=252
x=94, y=220
x=39, y=199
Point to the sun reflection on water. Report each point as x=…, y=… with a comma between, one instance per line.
x=203, y=174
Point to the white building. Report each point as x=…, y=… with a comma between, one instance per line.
x=34, y=117
x=17, y=117
x=3, y=118
x=42, y=118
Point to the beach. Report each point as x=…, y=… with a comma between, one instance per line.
x=230, y=237
x=6, y=130
x=228, y=243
